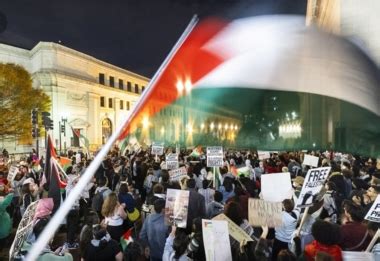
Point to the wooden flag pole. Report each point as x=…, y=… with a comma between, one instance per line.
x=373, y=241
x=64, y=209
x=305, y=213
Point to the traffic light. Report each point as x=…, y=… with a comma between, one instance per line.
x=48, y=123
x=35, y=133
x=34, y=117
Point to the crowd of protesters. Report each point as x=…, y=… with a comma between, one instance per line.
x=120, y=214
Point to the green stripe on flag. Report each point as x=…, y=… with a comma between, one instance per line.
x=265, y=119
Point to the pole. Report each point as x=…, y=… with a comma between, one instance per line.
x=305, y=213
x=373, y=241
x=64, y=209
x=60, y=139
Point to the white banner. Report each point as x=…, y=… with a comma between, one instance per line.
x=157, y=148
x=176, y=206
x=358, y=256
x=263, y=154
x=216, y=240
x=314, y=181
x=215, y=156
x=172, y=161
x=177, y=174
x=374, y=212
x=310, y=160
x=276, y=187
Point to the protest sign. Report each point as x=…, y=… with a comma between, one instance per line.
x=310, y=160
x=358, y=256
x=276, y=187
x=314, y=181
x=374, y=212
x=13, y=170
x=176, y=207
x=78, y=158
x=157, y=148
x=234, y=230
x=263, y=154
x=263, y=213
x=177, y=174
x=25, y=227
x=215, y=156
x=216, y=240
x=171, y=161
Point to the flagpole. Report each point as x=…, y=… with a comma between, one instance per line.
x=64, y=209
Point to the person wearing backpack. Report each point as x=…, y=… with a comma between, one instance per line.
x=283, y=233
x=101, y=192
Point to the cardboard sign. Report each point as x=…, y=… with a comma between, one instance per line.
x=157, y=148
x=276, y=187
x=215, y=156
x=176, y=207
x=216, y=240
x=310, y=161
x=25, y=227
x=374, y=212
x=314, y=181
x=261, y=213
x=171, y=161
x=234, y=230
x=177, y=174
x=13, y=170
x=263, y=154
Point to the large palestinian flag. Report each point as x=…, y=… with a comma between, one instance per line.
x=266, y=83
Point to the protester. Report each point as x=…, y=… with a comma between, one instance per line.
x=283, y=234
x=326, y=237
x=176, y=245
x=102, y=247
x=216, y=206
x=154, y=231
x=114, y=216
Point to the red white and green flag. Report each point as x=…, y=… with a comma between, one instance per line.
x=267, y=83
x=81, y=137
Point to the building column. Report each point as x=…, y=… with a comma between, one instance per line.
x=94, y=131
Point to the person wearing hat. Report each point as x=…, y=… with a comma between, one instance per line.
x=297, y=184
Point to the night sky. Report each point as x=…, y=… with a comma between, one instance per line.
x=133, y=34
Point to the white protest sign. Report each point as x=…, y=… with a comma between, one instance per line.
x=310, y=160
x=172, y=161
x=24, y=228
x=13, y=170
x=78, y=158
x=358, y=256
x=234, y=230
x=177, y=174
x=263, y=213
x=314, y=181
x=216, y=240
x=374, y=212
x=276, y=187
x=176, y=207
x=215, y=156
x=263, y=154
x=157, y=148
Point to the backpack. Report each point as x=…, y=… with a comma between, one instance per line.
x=97, y=200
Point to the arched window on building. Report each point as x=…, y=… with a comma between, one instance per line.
x=106, y=130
